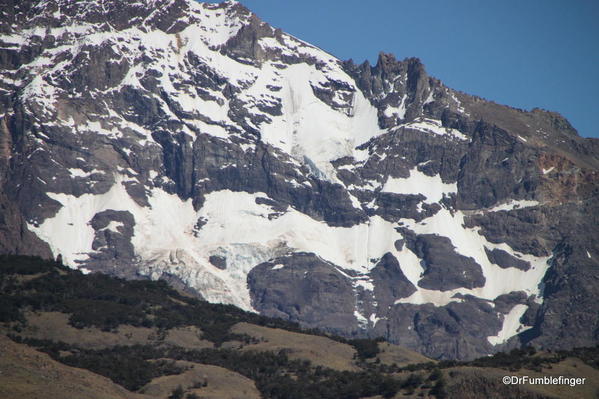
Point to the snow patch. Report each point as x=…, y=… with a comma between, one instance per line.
x=113, y=225
x=514, y=204
x=470, y=243
x=511, y=325
x=362, y=321
x=76, y=172
x=435, y=126
x=308, y=128
x=438, y=298
x=374, y=319
x=432, y=187
x=366, y=284
x=399, y=111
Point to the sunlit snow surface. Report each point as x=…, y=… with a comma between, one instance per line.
x=432, y=187
x=433, y=126
x=511, y=325
x=166, y=238
x=239, y=229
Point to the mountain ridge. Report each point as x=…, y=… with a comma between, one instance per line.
x=198, y=144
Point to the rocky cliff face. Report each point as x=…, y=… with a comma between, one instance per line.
x=194, y=142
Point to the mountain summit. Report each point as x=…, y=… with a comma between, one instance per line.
x=192, y=142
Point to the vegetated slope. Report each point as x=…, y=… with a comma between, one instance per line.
x=30, y=374
x=151, y=339
x=195, y=143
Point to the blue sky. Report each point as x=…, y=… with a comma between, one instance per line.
x=523, y=53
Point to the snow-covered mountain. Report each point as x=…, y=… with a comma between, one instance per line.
x=195, y=143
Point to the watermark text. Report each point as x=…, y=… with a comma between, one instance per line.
x=546, y=380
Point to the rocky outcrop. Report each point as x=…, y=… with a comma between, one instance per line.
x=503, y=259
x=444, y=269
x=301, y=287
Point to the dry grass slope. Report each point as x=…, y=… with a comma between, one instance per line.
x=28, y=374
x=54, y=326
x=220, y=383
x=393, y=354
x=321, y=351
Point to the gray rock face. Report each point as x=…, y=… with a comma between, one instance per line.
x=504, y=259
x=390, y=284
x=301, y=287
x=112, y=237
x=218, y=261
x=15, y=238
x=458, y=323
x=195, y=143
x=444, y=269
